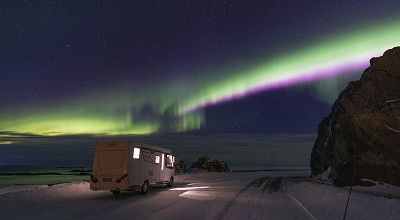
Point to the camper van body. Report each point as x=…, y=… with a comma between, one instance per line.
x=126, y=165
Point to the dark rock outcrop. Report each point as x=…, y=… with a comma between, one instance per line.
x=180, y=166
x=361, y=136
x=208, y=164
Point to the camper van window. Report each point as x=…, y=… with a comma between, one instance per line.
x=169, y=161
x=136, y=153
x=157, y=159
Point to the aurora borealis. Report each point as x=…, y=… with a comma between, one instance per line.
x=326, y=59
x=170, y=93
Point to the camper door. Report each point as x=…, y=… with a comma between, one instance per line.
x=166, y=167
x=151, y=164
x=135, y=166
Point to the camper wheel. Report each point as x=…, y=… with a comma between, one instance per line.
x=145, y=187
x=115, y=192
x=171, y=182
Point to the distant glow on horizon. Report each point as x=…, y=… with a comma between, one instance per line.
x=7, y=142
x=98, y=124
x=62, y=125
x=116, y=111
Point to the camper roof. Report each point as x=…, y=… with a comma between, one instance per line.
x=152, y=147
x=125, y=143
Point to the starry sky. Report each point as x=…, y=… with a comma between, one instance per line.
x=151, y=67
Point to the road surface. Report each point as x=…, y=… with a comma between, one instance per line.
x=256, y=195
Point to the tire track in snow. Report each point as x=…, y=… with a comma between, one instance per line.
x=301, y=207
x=258, y=182
x=253, y=202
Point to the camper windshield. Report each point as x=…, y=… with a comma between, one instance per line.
x=169, y=163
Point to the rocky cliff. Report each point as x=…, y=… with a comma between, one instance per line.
x=360, y=139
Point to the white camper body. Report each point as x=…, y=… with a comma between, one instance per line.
x=128, y=165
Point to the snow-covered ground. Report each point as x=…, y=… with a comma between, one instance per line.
x=20, y=188
x=329, y=202
x=252, y=195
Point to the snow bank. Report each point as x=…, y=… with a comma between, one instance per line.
x=20, y=188
x=328, y=202
x=379, y=189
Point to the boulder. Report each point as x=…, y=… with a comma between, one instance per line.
x=360, y=139
x=180, y=166
x=206, y=163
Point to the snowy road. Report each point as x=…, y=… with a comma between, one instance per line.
x=263, y=199
x=256, y=195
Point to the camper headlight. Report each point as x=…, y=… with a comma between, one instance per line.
x=136, y=153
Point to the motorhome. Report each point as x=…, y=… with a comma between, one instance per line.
x=128, y=165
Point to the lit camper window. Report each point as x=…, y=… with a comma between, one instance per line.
x=136, y=153
x=162, y=161
x=157, y=159
x=169, y=161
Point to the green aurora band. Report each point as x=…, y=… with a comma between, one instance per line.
x=343, y=54
x=112, y=113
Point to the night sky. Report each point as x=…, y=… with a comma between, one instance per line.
x=146, y=67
